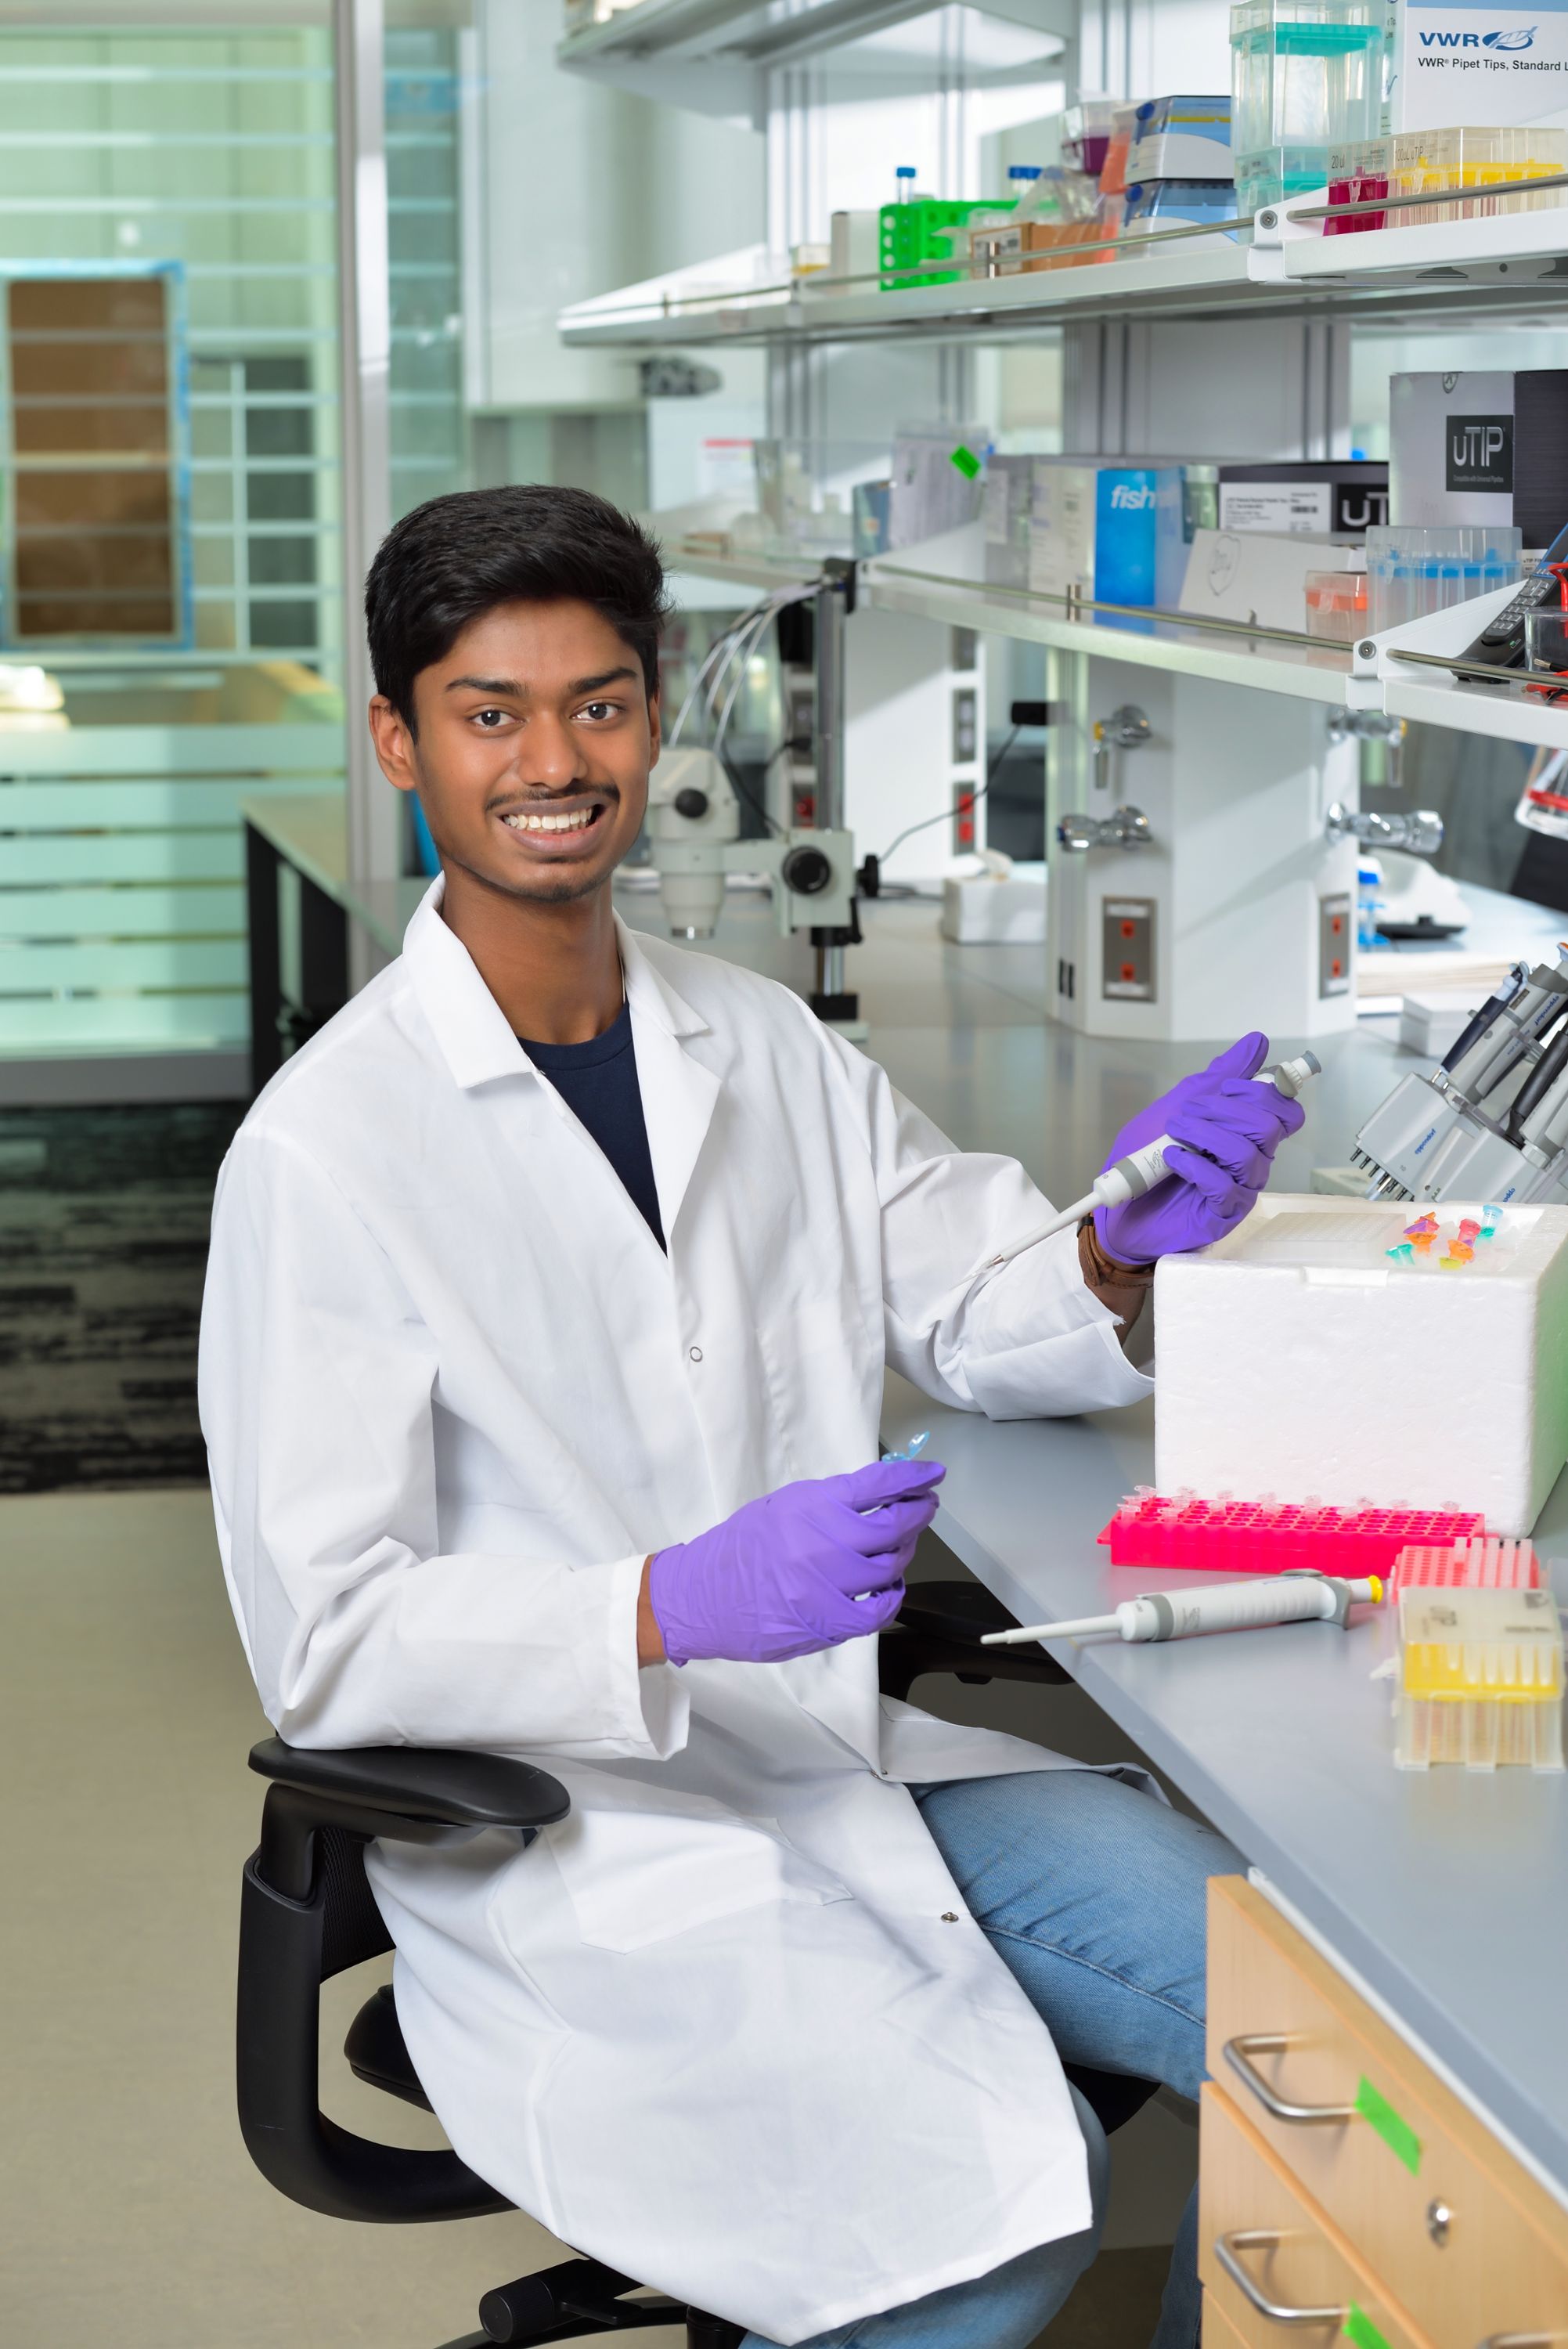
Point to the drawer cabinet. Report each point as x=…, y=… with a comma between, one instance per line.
x=1271, y=2263
x=1418, y=2189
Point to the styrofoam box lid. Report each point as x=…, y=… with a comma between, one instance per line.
x=1344, y=1242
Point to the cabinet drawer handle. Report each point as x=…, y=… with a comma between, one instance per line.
x=1274, y=2043
x=1228, y=2250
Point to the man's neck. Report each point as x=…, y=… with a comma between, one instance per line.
x=554, y=969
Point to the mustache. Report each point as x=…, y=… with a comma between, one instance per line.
x=514, y=802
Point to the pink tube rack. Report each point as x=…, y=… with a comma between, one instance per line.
x=1479, y=1565
x=1227, y=1536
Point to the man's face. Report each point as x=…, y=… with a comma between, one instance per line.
x=535, y=738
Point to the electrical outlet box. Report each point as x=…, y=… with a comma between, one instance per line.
x=1127, y=956
x=1334, y=935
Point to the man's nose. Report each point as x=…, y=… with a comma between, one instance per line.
x=549, y=754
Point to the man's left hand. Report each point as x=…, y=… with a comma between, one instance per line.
x=1225, y=1129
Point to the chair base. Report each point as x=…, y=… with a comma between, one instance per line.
x=579, y=2299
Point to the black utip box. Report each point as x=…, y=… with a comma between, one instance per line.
x=1480, y=446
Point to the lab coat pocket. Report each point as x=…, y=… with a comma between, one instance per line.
x=662, y=1863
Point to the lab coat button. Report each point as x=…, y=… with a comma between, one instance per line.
x=696, y=1354
x=950, y=1915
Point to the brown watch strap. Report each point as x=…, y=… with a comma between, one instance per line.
x=1102, y=1271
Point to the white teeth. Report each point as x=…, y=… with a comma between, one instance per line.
x=578, y=821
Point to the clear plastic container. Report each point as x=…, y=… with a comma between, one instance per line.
x=1123, y=131
x=1415, y=569
x=1481, y=1680
x=1361, y=168
x=1228, y=1537
x=1425, y=161
x=1086, y=134
x=1306, y=75
x=1336, y=605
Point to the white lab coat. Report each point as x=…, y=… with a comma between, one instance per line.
x=727, y=2027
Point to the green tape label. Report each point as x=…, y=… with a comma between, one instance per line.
x=1360, y=2331
x=1396, y=2133
x=967, y=462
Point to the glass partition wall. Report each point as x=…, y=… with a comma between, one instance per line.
x=170, y=598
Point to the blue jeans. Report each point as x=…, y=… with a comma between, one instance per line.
x=1093, y=1895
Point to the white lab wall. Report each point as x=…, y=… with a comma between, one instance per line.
x=579, y=188
x=1142, y=48
x=899, y=767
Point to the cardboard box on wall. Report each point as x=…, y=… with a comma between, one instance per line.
x=1480, y=446
x=1092, y=530
x=1009, y=487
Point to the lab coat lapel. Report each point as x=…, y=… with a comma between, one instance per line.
x=678, y=1092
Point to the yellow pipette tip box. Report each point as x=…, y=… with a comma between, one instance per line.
x=1481, y=1680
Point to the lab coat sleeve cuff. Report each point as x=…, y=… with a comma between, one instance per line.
x=650, y=1696
x=1039, y=1344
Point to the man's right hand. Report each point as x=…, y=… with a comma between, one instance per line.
x=803, y=1568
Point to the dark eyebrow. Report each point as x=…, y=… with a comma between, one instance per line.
x=508, y=687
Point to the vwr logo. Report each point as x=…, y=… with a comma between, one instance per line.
x=1126, y=498
x=1479, y=453
x=1523, y=39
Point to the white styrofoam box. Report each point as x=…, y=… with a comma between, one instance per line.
x=1294, y=1360
x=986, y=913
x=1429, y=1024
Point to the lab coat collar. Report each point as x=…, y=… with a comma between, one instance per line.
x=468, y=1023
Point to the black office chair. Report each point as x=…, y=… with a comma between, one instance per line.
x=307, y=1914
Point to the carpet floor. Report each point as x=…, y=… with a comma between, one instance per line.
x=103, y=1247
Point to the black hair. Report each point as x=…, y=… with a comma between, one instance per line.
x=455, y=558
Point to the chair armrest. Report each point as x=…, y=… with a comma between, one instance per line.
x=444, y=1789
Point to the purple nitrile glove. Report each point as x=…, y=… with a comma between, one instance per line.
x=1227, y=1129
x=802, y=1568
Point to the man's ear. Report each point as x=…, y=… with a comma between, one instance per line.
x=655, y=738
x=393, y=744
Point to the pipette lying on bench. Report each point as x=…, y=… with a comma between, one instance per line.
x=1301, y=1598
x=1141, y=1169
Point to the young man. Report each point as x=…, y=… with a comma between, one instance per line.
x=551, y=1288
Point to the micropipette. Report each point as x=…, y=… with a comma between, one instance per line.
x=1301, y=1598
x=1141, y=1169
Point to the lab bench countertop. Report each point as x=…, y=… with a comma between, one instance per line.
x=1446, y=1892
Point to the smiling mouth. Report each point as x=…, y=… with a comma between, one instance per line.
x=546, y=821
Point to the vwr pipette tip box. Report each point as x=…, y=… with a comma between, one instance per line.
x=1481, y=1680
x=1297, y=1355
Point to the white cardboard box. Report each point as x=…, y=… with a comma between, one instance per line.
x=986, y=913
x=1294, y=1360
x=1481, y=63
x=1430, y=1024
x=1252, y=577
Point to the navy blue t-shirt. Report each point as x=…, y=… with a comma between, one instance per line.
x=598, y=1082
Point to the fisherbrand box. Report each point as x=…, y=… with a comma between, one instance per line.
x=1473, y=63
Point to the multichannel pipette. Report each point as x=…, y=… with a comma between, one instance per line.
x=1303, y=1597
x=1141, y=1169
